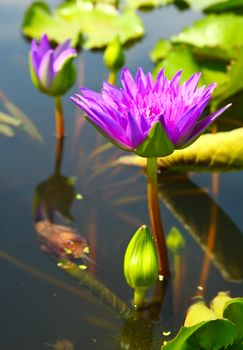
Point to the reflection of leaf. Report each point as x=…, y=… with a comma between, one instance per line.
x=54, y=195
x=99, y=24
x=222, y=33
x=192, y=207
x=17, y=113
x=222, y=151
x=203, y=330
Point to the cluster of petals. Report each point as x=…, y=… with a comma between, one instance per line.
x=47, y=62
x=126, y=115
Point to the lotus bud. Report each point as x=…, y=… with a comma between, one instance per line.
x=52, y=70
x=141, y=264
x=114, y=57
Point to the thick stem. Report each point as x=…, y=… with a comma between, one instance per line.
x=155, y=217
x=59, y=117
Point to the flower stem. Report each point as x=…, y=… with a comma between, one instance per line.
x=139, y=294
x=112, y=77
x=59, y=117
x=155, y=217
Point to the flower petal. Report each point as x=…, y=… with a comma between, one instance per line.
x=128, y=83
x=62, y=58
x=204, y=123
x=45, y=71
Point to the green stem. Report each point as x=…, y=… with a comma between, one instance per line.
x=112, y=77
x=139, y=295
x=155, y=217
x=59, y=117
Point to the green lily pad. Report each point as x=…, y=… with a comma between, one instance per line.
x=215, y=5
x=161, y=50
x=203, y=329
x=137, y=4
x=224, y=152
x=229, y=78
x=230, y=308
x=223, y=33
x=97, y=24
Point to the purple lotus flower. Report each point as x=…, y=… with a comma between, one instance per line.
x=151, y=118
x=52, y=70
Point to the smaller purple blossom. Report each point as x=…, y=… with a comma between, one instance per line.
x=151, y=118
x=52, y=70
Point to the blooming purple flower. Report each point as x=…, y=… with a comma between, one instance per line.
x=151, y=118
x=52, y=70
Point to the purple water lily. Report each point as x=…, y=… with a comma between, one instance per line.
x=128, y=115
x=51, y=69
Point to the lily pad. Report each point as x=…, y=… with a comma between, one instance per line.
x=97, y=24
x=215, y=5
x=138, y=4
x=224, y=152
x=203, y=329
x=223, y=33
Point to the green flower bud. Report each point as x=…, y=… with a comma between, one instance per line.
x=141, y=263
x=114, y=57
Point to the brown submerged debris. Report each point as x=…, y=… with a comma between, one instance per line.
x=60, y=241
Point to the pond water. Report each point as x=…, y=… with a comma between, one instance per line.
x=40, y=302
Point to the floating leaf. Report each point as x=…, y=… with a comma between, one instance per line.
x=98, y=24
x=136, y=4
x=223, y=33
x=230, y=308
x=224, y=152
x=203, y=330
x=215, y=5
x=161, y=50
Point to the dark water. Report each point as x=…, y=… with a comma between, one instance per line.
x=39, y=302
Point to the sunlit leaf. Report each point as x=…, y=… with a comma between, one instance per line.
x=215, y=5
x=230, y=308
x=160, y=50
x=223, y=152
x=229, y=78
x=223, y=33
x=98, y=24
x=136, y=4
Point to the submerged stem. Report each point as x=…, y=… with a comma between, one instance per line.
x=59, y=117
x=155, y=217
